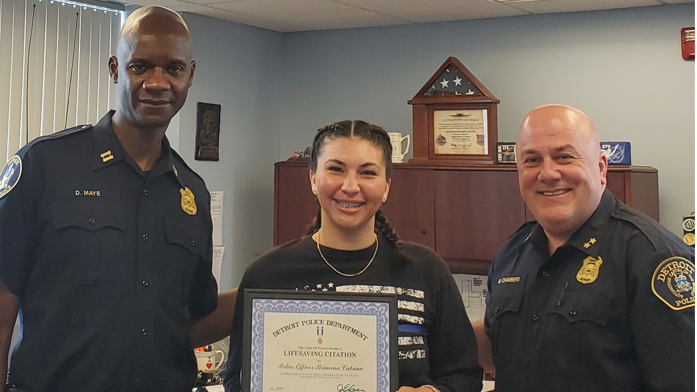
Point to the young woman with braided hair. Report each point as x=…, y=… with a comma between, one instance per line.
x=352, y=248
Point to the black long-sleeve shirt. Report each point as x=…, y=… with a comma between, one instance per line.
x=436, y=341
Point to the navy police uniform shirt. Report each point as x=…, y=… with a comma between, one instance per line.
x=110, y=264
x=610, y=310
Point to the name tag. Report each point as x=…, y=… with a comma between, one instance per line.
x=510, y=279
x=88, y=193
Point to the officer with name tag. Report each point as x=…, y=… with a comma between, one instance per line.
x=105, y=235
x=593, y=295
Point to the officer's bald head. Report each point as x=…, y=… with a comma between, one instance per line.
x=153, y=68
x=152, y=21
x=561, y=171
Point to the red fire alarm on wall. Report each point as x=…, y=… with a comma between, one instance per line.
x=688, y=43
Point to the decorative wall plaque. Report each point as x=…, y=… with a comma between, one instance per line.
x=454, y=119
x=207, y=132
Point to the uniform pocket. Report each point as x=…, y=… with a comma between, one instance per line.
x=504, y=313
x=584, y=307
x=187, y=247
x=575, y=329
x=89, y=238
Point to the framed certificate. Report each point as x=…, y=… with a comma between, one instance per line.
x=299, y=341
x=460, y=132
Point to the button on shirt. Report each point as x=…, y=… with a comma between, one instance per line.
x=101, y=256
x=586, y=318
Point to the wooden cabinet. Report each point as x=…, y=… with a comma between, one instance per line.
x=295, y=206
x=476, y=211
x=410, y=206
x=463, y=213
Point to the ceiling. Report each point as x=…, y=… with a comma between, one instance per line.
x=304, y=15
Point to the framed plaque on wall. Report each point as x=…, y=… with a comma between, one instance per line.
x=207, y=132
x=454, y=119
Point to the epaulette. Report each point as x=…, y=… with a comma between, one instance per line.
x=652, y=230
x=176, y=155
x=521, y=235
x=12, y=171
x=524, y=228
x=53, y=136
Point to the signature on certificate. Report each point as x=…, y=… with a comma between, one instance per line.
x=348, y=388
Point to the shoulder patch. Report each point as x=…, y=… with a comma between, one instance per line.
x=9, y=177
x=673, y=283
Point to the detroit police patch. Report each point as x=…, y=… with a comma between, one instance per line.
x=673, y=283
x=9, y=177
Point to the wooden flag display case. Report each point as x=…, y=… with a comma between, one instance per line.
x=454, y=119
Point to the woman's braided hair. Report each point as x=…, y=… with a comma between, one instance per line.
x=371, y=133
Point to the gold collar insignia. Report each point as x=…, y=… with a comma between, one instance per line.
x=106, y=156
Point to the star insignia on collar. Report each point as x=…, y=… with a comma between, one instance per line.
x=589, y=243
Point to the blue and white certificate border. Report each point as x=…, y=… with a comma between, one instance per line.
x=380, y=310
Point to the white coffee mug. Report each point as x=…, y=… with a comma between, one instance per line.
x=396, y=139
x=208, y=362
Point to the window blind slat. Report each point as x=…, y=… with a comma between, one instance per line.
x=35, y=81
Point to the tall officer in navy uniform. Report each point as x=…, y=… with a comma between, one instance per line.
x=105, y=235
x=593, y=295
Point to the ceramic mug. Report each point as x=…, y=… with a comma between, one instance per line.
x=396, y=139
x=208, y=362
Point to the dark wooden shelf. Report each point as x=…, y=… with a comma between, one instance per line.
x=464, y=213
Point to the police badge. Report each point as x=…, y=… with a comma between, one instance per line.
x=674, y=283
x=188, y=201
x=589, y=271
x=9, y=177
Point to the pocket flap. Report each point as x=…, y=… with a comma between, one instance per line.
x=507, y=302
x=89, y=216
x=578, y=306
x=190, y=235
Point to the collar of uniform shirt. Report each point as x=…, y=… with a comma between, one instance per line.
x=106, y=144
x=588, y=237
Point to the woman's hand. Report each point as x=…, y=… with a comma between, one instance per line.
x=419, y=389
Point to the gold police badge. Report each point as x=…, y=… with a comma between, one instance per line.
x=673, y=283
x=188, y=201
x=589, y=271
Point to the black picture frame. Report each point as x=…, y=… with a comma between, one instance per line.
x=207, y=132
x=505, y=153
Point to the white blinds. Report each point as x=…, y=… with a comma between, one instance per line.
x=36, y=87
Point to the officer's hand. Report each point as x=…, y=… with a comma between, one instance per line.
x=410, y=389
